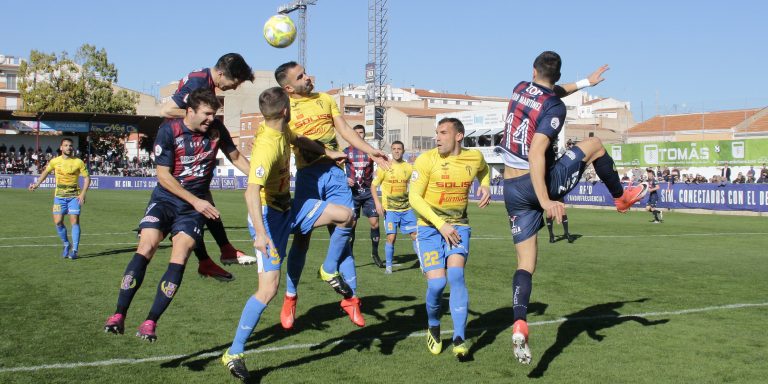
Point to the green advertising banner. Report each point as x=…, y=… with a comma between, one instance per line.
x=690, y=153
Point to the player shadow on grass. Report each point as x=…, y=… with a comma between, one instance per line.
x=590, y=320
x=393, y=327
x=488, y=326
x=117, y=251
x=316, y=318
x=574, y=237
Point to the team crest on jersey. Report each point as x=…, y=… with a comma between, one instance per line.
x=179, y=142
x=158, y=150
x=444, y=166
x=168, y=288
x=260, y=171
x=555, y=122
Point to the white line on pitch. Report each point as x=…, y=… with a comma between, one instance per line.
x=474, y=237
x=103, y=363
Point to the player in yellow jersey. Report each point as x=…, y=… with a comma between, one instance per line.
x=269, y=212
x=394, y=205
x=68, y=197
x=316, y=116
x=439, y=193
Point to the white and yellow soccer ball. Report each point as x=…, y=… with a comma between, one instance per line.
x=279, y=31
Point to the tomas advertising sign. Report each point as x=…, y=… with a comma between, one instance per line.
x=690, y=153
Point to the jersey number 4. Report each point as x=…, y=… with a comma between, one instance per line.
x=521, y=136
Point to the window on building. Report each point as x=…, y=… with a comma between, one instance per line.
x=393, y=135
x=10, y=82
x=423, y=142
x=242, y=125
x=445, y=101
x=249, y=125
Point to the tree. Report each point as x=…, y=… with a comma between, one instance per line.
x=83, y=83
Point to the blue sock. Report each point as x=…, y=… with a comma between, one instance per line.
x=434, y=293
x=295, y=264
x=459, y=300
x=337, y=249
x=166, y=290
x=75, y=236
x=132, y=279
x=62, y=231
x=389, y=252
x=521, y=293
x=347, y=270
x=248, y=320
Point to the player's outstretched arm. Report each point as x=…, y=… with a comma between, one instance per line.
x=40, y=179
x=593, y=79
x=375, y=192
x=239, y=161
x=172, y=185
x=253, y=202
x=310, y=145
x=170, y=110
x=536, y=158
x=349, y=134
x=484, y=190
x=86, y=185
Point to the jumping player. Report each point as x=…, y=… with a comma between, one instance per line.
x=439, y=193
x=230, y=71
x=316, y=116
x=68, y=197
x=269, y=200
x=395, y=208
x=185, y=153
x=359, y=178
x=535, y=181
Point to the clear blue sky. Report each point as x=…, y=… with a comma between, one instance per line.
x=683, y=56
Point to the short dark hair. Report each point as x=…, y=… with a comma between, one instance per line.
x=273, y=101
x=234, y=67
x=203, y=96
x=67, y=139
x=547, y=65
x=359, y=126
x=457, y=124
x=398, y=142
x=281, y=72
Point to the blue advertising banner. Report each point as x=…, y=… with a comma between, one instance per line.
x=731, y=197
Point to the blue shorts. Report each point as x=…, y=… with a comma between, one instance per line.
x=173, y=218
x=66, y=206
x=653, y=199
x=303, y=219
x=278, y=225
x=365, y=202
x=406, y=220
x=323, y=181
x=526, y=216
x=433, y=250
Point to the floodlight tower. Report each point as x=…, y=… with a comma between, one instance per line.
x=301, y=6
x=377, y=64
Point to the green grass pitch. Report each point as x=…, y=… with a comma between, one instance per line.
x=628, y=301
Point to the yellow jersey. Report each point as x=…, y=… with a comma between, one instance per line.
x=312, y=117
x=394, y=186
x=440, y=185
x=271, y=165
x=67, y=172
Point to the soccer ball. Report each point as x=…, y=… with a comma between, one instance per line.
x=279, y=31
